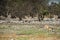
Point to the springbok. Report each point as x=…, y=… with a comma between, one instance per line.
x=48, y=27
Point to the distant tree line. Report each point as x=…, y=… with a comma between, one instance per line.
x=22, y=8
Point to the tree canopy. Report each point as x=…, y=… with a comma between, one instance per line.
x=21, y=8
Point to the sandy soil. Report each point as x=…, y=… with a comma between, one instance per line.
x=38, y=37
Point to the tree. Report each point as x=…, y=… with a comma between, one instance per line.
x=54, y=9
x=21, y=8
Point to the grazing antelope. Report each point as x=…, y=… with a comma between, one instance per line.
x=48, y=27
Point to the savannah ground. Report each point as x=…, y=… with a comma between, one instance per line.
x=30, y=31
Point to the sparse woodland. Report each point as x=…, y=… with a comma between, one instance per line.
x=22, y=8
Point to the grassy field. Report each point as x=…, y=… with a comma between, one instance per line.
x=32, y=31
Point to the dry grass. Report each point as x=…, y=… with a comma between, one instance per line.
x=30, y=32
x=36, y=37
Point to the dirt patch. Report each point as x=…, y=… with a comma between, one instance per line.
x=37, y=37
